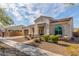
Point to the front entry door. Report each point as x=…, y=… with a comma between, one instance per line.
x=41, y=30
x=26, y=32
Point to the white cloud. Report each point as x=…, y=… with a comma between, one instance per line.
x=58, y=9
x=29, y=7
x=55, y=9
x=17, y=14
x=33, y=14
x=41, y=9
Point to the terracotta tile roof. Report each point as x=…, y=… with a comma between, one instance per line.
x=61, y=20
x=52, y=20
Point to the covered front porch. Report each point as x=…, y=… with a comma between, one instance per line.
x=41, y=29
x=37, y=29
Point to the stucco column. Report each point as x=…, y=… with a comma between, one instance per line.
x=47, y=31
x=36, y=32
x=29, y=30
x=23, y=32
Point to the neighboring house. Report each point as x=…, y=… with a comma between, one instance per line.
x=43, y=25
x=14, y=31
x=76, y=32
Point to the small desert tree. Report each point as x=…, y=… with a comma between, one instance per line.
x=4, y=18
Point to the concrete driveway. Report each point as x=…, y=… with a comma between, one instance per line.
x=30, y=50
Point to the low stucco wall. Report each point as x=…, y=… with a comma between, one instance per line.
x=16, y=34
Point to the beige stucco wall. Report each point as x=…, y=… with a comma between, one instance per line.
x=67, y=28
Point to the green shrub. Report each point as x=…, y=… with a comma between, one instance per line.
x=45, y=38
x=41, y=38
x=54, y=38
x=49, y=38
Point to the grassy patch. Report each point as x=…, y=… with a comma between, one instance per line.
x=73, y=49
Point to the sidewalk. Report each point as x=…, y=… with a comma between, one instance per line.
x=30, y=50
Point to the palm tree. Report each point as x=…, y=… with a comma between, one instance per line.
x=4, y=19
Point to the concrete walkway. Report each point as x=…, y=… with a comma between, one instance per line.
x=29, y=50
x=14, y=37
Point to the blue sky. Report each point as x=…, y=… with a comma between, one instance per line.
x=25, y=14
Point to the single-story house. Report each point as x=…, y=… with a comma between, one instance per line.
x=14, y=31
x=43, y=25
x=48, y=25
